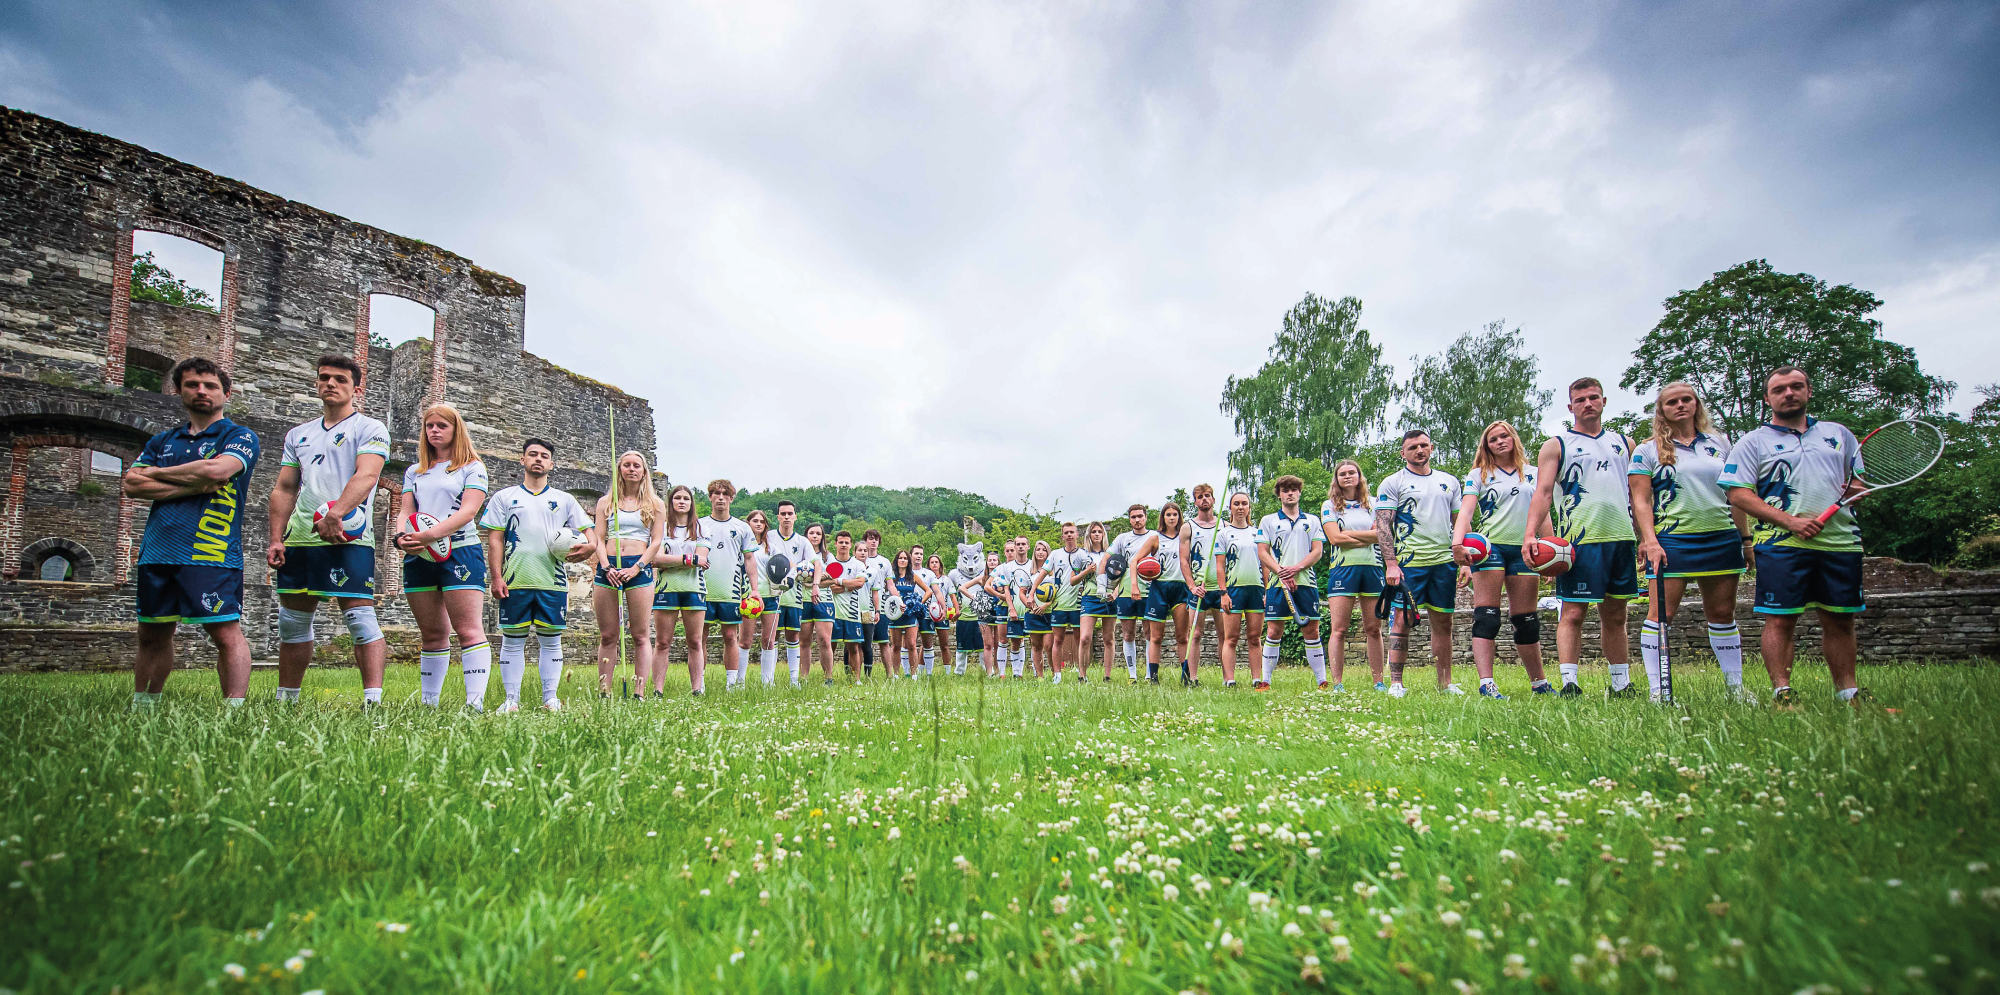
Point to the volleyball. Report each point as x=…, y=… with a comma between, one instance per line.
x=352, y=524
x=1476, y=548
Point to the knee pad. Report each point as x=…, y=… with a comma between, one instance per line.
x=1527, y=628
x=361, y=625
x=1486, y=622
x=295, y=625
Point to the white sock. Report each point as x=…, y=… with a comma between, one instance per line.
x=1727, y=642
x=1488, y=682
x=288, y=694
x=1058, y=679
x=477, y=663
x=238, y=702
x=767, y=660
x=513, y=665
x=1649, y=652
x=1270, y=661
x=930, y=659
x=792, y=660
x=549, y=662
x=1020, y=661
x=1132, y=657
x=431, y=667
x=1568, y=672
x=730, y=678
x=1621, y=676
x=370, y=695
x=1316, y=656
x=959, y=667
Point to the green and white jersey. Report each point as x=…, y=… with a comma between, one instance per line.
x=1201, y=553
x=795, y=550
x=880, y=581
x=1069, y=589
x=1800, y=473
x=1592, y=501
x=527, y=520
x=1127, y=544
x=1015, y=577
x=848, y=606
x=727, y=542
x=1100, y=585
x=1421, y=507
x=325, y=455
x=1237, y=549
x=1169, y=555
x=1687, y=500
x=1501, y=514
x=1291, y=541
x=441, y=491
x=930, y=583
x=675, y=542
x=1351, y=516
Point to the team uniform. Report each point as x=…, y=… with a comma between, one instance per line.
x=1131, y=587
x=724, y=583
x=968, y=636
x=1170, y=587
x=879, y=568
x=906, y=589
x=848, y=606
x=622, y=526
x=1015, y=577
x=1038, y=623
x=1421, y=506
x=1351, y=571
x=1242, y=572
x=679, y=588
x=1691, y=515
x=1097, y=600
x=930, y=581
x=1592, y=508
x=1801, y=473
x=190, y=565
x=818, y=601
x=325, y=455
x=537, y=583
x=1501, y=515
x=791, y=595
x=440, y=493
x=1200, y=564
x=1291, y=542
x=1068, y=610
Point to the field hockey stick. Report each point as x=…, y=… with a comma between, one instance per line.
x=1892, y=456
x=1666, y=622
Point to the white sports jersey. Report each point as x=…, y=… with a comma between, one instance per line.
x=1351, y=516
x=1201, y=549
x=1423, y=505
x=325, y=455
x=1592, y=501
x=1069, y=590
x=1102, y=584
x=441, y=492
x=1687, y=500
x=1291, y=540
x=1127, y=545
x=528, y=520
x=879, y=576
x=1501, y=514
x=1015, y=576
x=1168, y=552
x=1800, y=473
x=796, y=551
x=1237, y=549
x=929, y=579
x=675, y=541
x=728, y=541
x=758, y=581
x=848, y=606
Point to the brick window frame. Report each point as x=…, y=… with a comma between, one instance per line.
x=120, y=331
x=433, y=393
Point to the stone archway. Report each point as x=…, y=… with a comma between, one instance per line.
x=82, y=564
x=70, y=420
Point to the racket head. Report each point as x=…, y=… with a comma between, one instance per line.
x=1899, y=452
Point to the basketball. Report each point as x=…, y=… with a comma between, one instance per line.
x=1476, y=548
x=1045, y=591
x=437, y=550
x=1147, y=567
x=1549, y=557
x=352, y=524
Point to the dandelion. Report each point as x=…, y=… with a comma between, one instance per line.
x=581, y=974
x=295, y=964
x=235, y=971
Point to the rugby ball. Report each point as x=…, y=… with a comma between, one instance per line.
x=1477, y=549
x=352, y=524
x=1549, y=557
x=564, y=540
x=437, y=550
x=1045, y=591
x=1147, y=568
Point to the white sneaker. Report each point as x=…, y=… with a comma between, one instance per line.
x=1397, y=691
x=508, y=708
x=1451, y=689
x=552, y=704
x=1738, y=694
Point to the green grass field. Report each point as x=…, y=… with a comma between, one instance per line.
x=967, y=835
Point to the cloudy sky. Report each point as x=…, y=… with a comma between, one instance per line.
x=1022, y=245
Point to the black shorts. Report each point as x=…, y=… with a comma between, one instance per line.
x=969, y=637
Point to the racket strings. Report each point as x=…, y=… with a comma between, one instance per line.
x=1899, y=452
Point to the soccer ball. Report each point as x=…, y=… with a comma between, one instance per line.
x=437, y=550
x=352, y=524
x=1549, y=557
x=564, y=540
x=1148, y=567
x=1477, y=549
x=1045, y=591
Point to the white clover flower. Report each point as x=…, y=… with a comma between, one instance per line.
x=235, y=971
x=1509, y=855
x=295, y=964
x=1450, y=918
x=1292, y=929
x=895, y=833
x=972, y=975
x=1170, y=893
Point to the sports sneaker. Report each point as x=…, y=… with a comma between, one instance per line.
x=507, y=708
x=1785, y=699
x=1451, y=689
x=1570, y=690
x=1131, y=682
x=1542, y=687
x=1260, y=685
x=552, y=704
x=1379, y=686
x=1322, y=686
x=1397, y=691
x=1229, y=684
x=1738, y=694
x=1628, y=691
x=828, y=682
x=1489, y=691
x=1339, y=687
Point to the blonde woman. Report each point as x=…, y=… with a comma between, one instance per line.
x=816, y=629
x=448, y=483
x=1099, y=607
x=678, y=598
x=1685, y=521
x=1167, y=596
x=1495, y=505
x=632, y=519
x=1239, y=575
x=764, y=628
x=1353, y=569
x=1038, y=619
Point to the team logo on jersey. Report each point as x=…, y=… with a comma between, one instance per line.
x=1489, y=502
x=339, y=437
x=1775, y=486
x=208, y=451
x=337, y=576
x=459, y=571
x=1832, y=443
x=1666, y=487
x=212, y=603
x=552, y=504
x=1406, y=519
x=1710, y=450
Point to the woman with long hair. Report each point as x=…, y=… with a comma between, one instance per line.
x=448, y=483
x=1354, y=569
x=1240, y=576
x=1100, y=607
x=993, y=616
x=1495, y=505
x=766, y=625
x=632, y=519
x=1686, y=523
x=1040, y=622
x=903, y=652
x=1166, y=597
x=936, y=644
x=816, y=629
x=682, y=558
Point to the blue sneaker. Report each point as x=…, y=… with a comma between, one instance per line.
x=1544, y=688
x=1489, y=691
x=1379, y=686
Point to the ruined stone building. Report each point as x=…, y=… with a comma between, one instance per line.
x=80, y=361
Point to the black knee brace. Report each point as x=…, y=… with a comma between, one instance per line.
x=1486, y=623
x=1527, y=627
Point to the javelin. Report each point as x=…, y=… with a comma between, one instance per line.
x=617, y=496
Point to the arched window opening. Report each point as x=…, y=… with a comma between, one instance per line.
x=55, y=566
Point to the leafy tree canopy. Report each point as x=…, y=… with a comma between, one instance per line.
x=153, y=282
x=1483, y=377
x=1323, y=390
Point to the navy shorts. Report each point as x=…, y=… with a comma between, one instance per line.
x=1017, y=628
x=1704, y=554
x=1353, y=582
x=1245, y=599
x=1305, y=597
x=1097, y=607
x=1062, y=619
x=770, y=605
x=1132, y=608
x=679, y=601
x=1791, y=580
x=197, y=595
x=1432, y=588
x=1211, y=601
x=969, y=637
x=789, y=617
x=924, y=623
x=545, y=611
x=819, y=611
x=643, y=578
x=1508, y=558
x=463, y=570
x=725, y=613
x=847, y=631
x=343, y=571
x=881, y=633
x=1040, y=624
x=1602, y=570
x=908, y=621
x=1162, y=597
x=999, y=612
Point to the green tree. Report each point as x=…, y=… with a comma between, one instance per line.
x=1483, y=377
x=153, y=282
x=1951, y=515
x=1316, y=479
x=1322, y=391
x=1725, y=336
